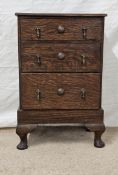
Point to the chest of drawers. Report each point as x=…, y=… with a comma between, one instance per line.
x=60, y=72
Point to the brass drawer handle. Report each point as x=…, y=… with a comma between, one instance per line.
x=60, y=91
x=61, y=29
x=84, y=31
x=38, y=31
x=83, y=93
x=38, y=94
x=38, y=59
x=83, y=59
x=61, y=55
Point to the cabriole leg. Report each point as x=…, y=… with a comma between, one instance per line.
x=22, y=131
x=98, y=130
x=97, y=138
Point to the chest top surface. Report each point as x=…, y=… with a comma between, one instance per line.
x=61, y=14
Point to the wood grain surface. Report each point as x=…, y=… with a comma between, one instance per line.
x=48, y=84
x=60, y=71
x=73, y=60
x=73, y=28
x=60, y=116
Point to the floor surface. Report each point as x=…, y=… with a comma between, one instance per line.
x=64, y=150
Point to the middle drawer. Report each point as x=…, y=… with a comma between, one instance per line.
x=51, y=57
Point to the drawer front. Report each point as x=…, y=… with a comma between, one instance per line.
x=60, y=91
x=67, y=28
x=61, y=58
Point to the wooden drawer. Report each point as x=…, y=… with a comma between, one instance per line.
x=61, y=58
x=60, y=91
x=66, y=28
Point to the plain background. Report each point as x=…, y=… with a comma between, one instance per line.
x=9, y=57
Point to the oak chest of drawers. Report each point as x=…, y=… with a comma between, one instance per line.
x=60, y=71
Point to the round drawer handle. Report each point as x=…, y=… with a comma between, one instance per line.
x=60, y=91
x=61, y=55
x=61, y=29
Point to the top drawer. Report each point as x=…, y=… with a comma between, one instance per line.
x=61, y=28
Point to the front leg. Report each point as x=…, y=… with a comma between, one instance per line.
x=98, y=130
x=22, y=131
x=97, y=138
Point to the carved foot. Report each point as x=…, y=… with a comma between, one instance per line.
x=23, y=143
x=98, y=130
x=22, y=131
x=97, y=139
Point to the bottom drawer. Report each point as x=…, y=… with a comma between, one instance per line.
x=60, y=91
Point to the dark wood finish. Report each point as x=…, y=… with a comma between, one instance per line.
x=61, y=14
x=91, y=117
x=60, y=72
x=49, y=84
x=74, y=29
x=59, y=57
x=98, y=142
x=22, y=131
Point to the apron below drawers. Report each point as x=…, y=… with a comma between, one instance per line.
x=60, y=91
